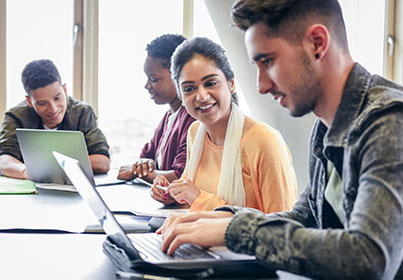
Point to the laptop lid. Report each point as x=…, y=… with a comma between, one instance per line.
x=36, y=148
x=112, y=227
x=90, y=195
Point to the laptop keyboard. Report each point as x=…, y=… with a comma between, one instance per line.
x=150, y=245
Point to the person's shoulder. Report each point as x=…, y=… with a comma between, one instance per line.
x=384, y=91
x=20, y=107
x=166, y=114
x=165, y=118
x=77, y=105
x=184, y=120
x=385, y=94
x=254, y=129
x=23, y=113
x=261, y=136
x=193, y=128
x=381, y=98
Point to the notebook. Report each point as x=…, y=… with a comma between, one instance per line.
x=36, y=148
x=144, y=248
x=16, y=186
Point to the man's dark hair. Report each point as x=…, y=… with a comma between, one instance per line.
x=39, y=73
x=288, y=19
x=163, y=47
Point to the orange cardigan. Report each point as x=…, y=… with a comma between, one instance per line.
x=268, y=176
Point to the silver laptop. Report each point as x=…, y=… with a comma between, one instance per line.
x=143, y=246
x=36, y=148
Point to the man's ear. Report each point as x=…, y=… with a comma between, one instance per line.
x=64, y=88
x=317, y=36
x=29, y=100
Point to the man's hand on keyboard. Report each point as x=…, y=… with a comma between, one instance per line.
x=205, y=229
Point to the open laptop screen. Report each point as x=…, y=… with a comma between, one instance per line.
x=37, y=145
x=98, y=206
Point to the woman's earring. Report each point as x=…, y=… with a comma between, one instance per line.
x=316, y=55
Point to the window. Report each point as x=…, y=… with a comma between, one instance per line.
x=394, y=41
x=365, y=23
x=127, y=115
x=35, y=30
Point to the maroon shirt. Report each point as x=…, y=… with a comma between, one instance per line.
x=174, y=153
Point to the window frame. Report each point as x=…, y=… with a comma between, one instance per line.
x=393, y=41
x=3, y=77
x=78, y=49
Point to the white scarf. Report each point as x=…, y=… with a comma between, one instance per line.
x=230, y=187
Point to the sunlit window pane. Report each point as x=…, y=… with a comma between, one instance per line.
x=35, y=30
x=365, y=24
x=126, y=113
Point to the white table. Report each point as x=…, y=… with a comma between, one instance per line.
x=63, y=255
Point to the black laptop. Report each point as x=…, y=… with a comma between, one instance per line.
x=142, y=251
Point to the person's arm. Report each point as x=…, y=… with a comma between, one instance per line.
x=206, y=229
x=10, y=155
x=178, y=143
x=97, y=146
x=271, y=177
x=300, y=213
x=174, y=155
x=145, y=169
x=206, y=201
x=169, y=174
x=184, y=190
x=370, y=245
x=99, y=163
x=150, y=148
x=159, y=191
x=12, y=167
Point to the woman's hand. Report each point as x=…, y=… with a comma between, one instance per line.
x=159, y=190
x=183, y=191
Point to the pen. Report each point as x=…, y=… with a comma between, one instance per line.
x=150, y=185
x=135, y=276
x=161, y=187
x=143, y=182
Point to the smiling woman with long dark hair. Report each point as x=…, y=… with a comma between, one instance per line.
x=232, y=159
